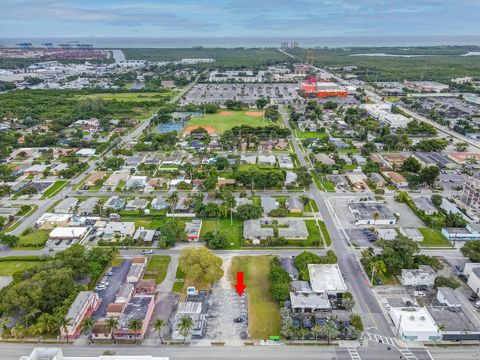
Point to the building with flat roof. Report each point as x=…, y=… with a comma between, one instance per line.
x=68, y=233
x=458, y=326
x=468, y=233
x=448, y=297
x=414, y=324
x=66, y=206
x=372, y=214
x=195, y=311
x=193, y=229
x=124, y=293
x=470, y=194
x=140, y=307
x=144, y=235
x=82, y=307
x=119, y=229
x=289, y=228
x=57, y=354
x=307, y=302
x=423, y=276
x=326, y=278
x=425, y=204
x=268, y=203
x=51, y=220
x=474, y=279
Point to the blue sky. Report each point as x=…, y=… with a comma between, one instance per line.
x=226, y=18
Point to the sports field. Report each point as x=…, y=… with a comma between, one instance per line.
x=131, y=96
x=225, y=120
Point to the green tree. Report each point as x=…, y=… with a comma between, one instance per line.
x=436, y=199
x=201, y=264
x=111, y=324
x=411, y=165
x=170, y=233
x=172, y=201
x=184, y=326
x=135, y=325
x=158, y=326
x=9, y=240
x=63, y=324
x=87, y=325
x=261, y=103
x=216, y=240
x=348, y=302
x=471, y=250
x=329, y=330
x=442, y=281
x=356, y=321
x=249, y=211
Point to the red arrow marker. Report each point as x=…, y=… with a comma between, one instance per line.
x=240, y=286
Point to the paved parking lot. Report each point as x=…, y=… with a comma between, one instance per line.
x=246, y=93
x=116, y=280
x=225, y=306
x=166, y=305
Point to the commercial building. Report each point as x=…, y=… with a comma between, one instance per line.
x=124, y=293
x=372, y=214
x=82, y=307
x=140, y=307
x=426, y=86
x=289, y=228
x=468, y=233
x=194, y=310
x=50, y=220
x=448, y=297
x=457, y=325
x=68, y=233
x=57, y=354
x=382, y=113
x=326, y=278
x=307, y=302
x=425, y=204
x=464, y=157
x=322, y=89
x=423, y=276
x=474, y=279
x=414, y=324
x=470, y=194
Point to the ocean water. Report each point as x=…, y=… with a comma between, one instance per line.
x=233, y=42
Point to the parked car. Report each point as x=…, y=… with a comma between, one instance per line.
x=100, y=287
x=238, y=320
x=477, y=304
x=463, y=278
x=146, y=252
x=418, y=293
x=473, y=297
x=387, y=305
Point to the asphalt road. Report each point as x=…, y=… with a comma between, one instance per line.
x=370, y=310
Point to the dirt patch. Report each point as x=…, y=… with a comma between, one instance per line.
x=254, y=113
x=225, y=113
x=210, y=129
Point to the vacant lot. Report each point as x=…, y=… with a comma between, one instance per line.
x=432, y=237
x=157, y=268
x=263, y=311
x=232, y=232
x=131, y=96
x=8, y=268
x=222, y=122
x=36, y=238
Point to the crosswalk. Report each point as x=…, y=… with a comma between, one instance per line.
x=407, y=354
x=380, y=338
x=353, y=354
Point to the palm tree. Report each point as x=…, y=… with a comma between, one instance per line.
x=188, y=167
x=376, y=216
x=135, y=325
x=230, y=202
x=158, y=326
x=378, y=267
x=184, y=327
x=329, y=330
x=63, y=324
x=441, y=329
x=18, y=331
x=111, y=325
x=316, y=329
x=172, y=201
x=87, y=325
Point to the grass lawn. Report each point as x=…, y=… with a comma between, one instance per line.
x=325, y=233
x=131, y=96
x=55, y=188
x=313, y=232
x=223, y=122
x=232, y=232
x=311, y=206
x=8, y=268
x=433, y=237
x=179, y=280
x=157, y=268
x=36, y=238
x=263, y=310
